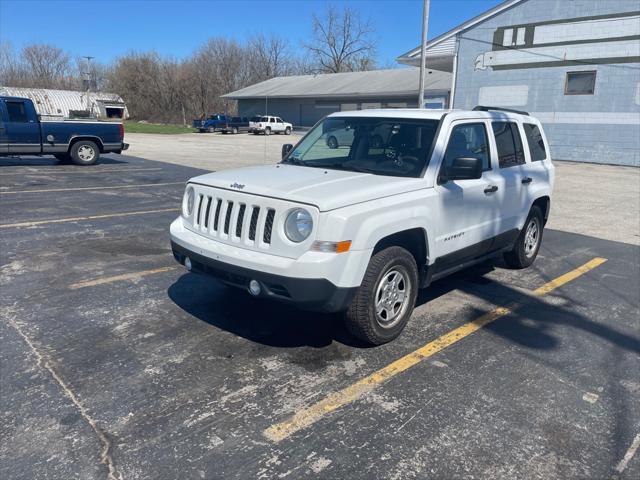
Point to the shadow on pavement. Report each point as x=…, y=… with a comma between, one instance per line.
x=48, y=160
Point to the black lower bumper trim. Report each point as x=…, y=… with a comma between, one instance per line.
x=316, y=294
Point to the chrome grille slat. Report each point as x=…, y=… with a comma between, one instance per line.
x=223, y=215
x=259, y=231
x=245, y=223
x=233, y=220
x=196, y=217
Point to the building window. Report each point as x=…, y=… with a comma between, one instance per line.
x=580, y=83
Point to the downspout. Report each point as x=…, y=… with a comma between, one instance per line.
x=454, y=74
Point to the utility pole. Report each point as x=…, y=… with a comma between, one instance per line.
x=87, y=80
x=423, y=52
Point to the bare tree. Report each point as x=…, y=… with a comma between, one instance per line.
x=342, y=41
x=48, y=65
x=269, y=57
x=12, y=70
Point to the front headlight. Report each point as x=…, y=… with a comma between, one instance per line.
x=298, y=225
x=188, y=201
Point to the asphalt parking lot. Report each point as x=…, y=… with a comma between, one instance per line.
x=117, y=363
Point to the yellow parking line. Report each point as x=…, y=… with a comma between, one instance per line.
x=84, y=171
x=89, y=217
x=307, y=416
x=78, y=189
x=119, y=278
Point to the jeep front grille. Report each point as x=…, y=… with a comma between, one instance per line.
x=232, y=220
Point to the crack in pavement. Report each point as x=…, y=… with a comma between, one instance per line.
x=44, y=363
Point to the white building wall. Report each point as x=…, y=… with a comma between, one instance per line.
x=530, y=74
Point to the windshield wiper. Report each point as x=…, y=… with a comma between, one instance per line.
x=294, y=161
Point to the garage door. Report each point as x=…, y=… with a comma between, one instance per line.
x=310, y=114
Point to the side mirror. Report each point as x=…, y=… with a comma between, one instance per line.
x=286, y=148
x=462, y=168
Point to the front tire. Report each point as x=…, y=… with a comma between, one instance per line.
x=287, y=131
x=526, y=248
x=267, y=131
x=386, y=298
x=84, y=152
x=332, y=142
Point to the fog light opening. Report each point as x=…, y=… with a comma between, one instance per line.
x=187, y=263
x=254, y=288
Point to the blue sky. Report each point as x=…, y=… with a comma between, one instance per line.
x=109, y=28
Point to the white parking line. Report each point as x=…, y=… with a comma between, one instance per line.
x=84, y=171
x=629, y=455
x=79, y=189
x=89, y=217
x=119, y=278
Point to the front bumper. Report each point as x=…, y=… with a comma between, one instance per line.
x=316, y=294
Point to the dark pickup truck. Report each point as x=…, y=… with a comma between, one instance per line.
x=235, y=125
x=210, y=124
x=80, y=141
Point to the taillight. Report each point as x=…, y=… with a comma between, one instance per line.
x=121, y=131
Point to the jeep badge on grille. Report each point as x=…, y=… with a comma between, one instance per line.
x=237, y=185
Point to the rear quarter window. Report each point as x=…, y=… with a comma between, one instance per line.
x=537, y=148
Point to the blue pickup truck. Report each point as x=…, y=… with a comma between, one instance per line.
x=80, y=141
x=211, y=124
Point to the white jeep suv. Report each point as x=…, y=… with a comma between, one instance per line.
x=400, y=199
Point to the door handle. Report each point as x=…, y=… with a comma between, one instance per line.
x=491, y=189
x=527, y=180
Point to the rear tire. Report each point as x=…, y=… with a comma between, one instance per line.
x=386, y=298
x=526, y=248
x=84, y=152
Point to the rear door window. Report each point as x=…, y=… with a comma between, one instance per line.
x=536, y=143
x=509, y=144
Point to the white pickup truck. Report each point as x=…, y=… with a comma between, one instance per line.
x=359, y=225
x=268, y=125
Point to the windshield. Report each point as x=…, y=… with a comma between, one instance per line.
x=381, y=146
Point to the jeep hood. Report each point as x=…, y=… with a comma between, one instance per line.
x=324, y=188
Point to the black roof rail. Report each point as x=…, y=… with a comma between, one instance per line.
x=483, y=108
